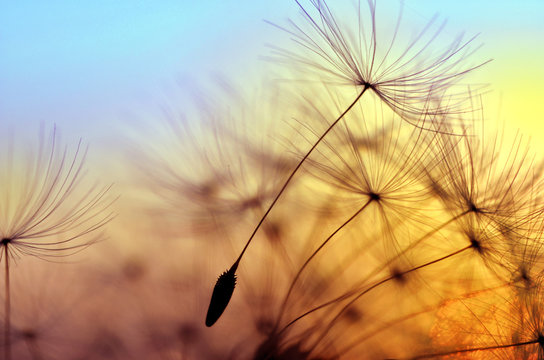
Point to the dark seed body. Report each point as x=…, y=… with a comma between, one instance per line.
x=222, y=292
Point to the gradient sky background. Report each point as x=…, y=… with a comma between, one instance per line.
x=90, y=66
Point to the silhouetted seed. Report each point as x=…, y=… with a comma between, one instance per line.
x=524, y=276
x=5, y=241
x=437, y=189
x=222, y=292
x=364, y=144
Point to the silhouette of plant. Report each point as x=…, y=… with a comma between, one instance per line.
x=45, y=211
x=406, y=90
x=395, y=225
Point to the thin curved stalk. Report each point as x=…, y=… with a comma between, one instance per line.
x=225, y=284
x=381, y=282
x=297, y=276
x=357, y=290
x=295, y=170
x=7, y=309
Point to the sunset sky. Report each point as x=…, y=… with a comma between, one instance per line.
x=90, y=67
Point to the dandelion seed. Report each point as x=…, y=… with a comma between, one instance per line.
x=48, y=215
x=477, y=178
x=498, y=324
x=415, y=88
x=387, y=176
x=222, y=292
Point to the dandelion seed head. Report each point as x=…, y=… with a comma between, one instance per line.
x=188, y=332
x=48, y=209
x=208, y=189
x=477, y=178
x=473, y=208
x=362, y=53
x=374, y=196
x=540, y=340
x=525, y=277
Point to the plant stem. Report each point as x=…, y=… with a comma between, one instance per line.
x=295, y=170
x=217, y=306
x=297, y=276
x=7, y=310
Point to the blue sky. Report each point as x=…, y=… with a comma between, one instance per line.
x=80, y=62
x=87, y=65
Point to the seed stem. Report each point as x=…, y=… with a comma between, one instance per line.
x=299, y=165
x=353, y=292
x=7, y=309
x=387, y=325
x=462, y=351
x=297, y=276
x=295, y=170
x=331, y=324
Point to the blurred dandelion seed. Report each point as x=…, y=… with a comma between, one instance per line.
x=404, y=78
x=403, y=86
x=44, y=211
x=221, y=295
